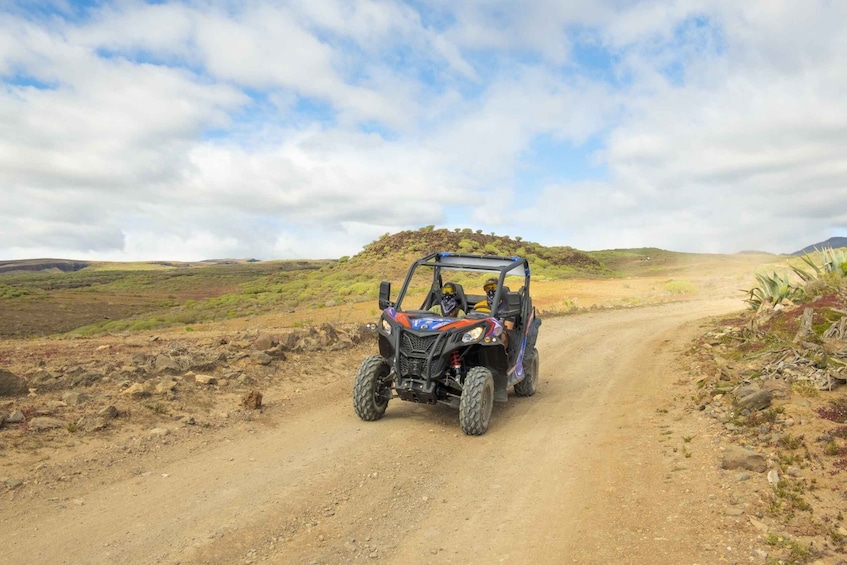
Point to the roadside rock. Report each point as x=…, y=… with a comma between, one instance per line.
x=264, y=342
x=11, y=384
x=85, y=378
x=736, y=457
x=261, y=358
x=43, y=380
x=326, y=335
x=205, y=379
x=73, y=398
x=43, y=423
x=289, y=342
x=136, y=390
x=758, y=400
x=166, y=386
x=109, y=412
x=165, y=364
x=16, y=417
x=12, y=484
x=142, y=360
x=206, y=361
x=90, y=423
x=778, y=388
x=746, y=390
x=277, y=353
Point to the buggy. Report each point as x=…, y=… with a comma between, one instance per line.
x=466, y=362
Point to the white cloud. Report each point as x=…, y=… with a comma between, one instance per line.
x=205, y=129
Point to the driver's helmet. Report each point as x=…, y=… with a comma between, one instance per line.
x=490, y=288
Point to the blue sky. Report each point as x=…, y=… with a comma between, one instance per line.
x=134, y=130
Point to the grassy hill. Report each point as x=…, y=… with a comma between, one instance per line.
x=408, y=245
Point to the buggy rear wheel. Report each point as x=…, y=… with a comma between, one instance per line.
x=529, y=385
x=477, y=401
x=372, y=389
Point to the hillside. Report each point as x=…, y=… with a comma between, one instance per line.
x=412, y=244
x=132, y=296
x=34, y=265
x=833, y=242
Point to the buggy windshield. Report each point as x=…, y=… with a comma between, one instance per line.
x=428, y=274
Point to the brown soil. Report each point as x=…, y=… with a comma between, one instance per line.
x=610, y=462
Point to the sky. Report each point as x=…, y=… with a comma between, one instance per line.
x=202, y=129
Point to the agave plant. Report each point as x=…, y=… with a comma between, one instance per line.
x=834, y=261
x=773, y=290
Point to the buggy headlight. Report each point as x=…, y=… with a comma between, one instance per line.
x=473, y=335
x=386, y=326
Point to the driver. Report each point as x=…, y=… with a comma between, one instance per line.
x=449, y=304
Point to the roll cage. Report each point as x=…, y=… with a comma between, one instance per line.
x=506, y=303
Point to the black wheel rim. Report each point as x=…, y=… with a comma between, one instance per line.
x=487, y=402
x=382, y=390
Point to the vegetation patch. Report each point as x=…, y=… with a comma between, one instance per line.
x=680, y=287
x=796, y=553
x=835, y=411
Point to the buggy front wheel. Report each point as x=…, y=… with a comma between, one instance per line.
x=477, y=401
x=372, y=389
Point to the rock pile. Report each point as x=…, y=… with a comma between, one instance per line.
x=77, y=391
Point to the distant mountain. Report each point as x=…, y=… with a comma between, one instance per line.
x=26, y=265
x=71, y=266
x=834, y=242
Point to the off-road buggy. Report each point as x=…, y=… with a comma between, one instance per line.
x=462, y=362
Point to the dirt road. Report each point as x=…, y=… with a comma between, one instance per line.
x=592, y=469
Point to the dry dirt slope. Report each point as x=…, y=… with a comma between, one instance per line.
x=606, y=464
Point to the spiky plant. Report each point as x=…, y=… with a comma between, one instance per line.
x=773, y=290
x=834, y=261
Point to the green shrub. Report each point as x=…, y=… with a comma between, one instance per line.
x=680, y=287
x=492, y=249
x=7, y=291
x=468, y=246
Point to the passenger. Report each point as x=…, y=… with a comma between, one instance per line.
x=490, y=288
x=449, y=304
